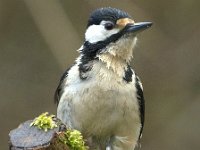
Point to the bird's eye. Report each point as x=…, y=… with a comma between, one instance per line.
x=109, y=26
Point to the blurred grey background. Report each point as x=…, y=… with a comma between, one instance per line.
x=39, y=39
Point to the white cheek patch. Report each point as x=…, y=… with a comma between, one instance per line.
x=96, y=33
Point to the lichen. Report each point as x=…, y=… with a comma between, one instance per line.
x=44, y=122
x=74, y=139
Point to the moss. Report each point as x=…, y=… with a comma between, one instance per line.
x=44, y=122
x=74, y=139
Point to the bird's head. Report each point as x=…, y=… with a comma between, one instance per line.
x=111, y=32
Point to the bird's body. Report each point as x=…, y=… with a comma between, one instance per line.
x=102, y=105
x=100, y=95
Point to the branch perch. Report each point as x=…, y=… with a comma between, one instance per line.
x=34, y=138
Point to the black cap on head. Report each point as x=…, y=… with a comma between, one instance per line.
x=108, y=14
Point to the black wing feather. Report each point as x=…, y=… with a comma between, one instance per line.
x=141, y=101
x=59, y=89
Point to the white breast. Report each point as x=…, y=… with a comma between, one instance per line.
x=100, y=105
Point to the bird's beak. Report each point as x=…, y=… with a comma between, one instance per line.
x=137, y=27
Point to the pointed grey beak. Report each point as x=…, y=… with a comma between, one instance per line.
x=138, y=27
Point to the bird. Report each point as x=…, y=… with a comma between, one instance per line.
x=100, y=94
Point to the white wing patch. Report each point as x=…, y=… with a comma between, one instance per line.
x=140, y=83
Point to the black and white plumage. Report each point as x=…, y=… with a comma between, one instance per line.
x=101, y=95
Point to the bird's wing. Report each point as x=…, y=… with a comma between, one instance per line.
x=59, y=89
x=141, y=101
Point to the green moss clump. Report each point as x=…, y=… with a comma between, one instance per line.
x=74, y=139
x=44, y=122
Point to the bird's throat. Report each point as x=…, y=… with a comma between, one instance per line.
x=114, y=63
